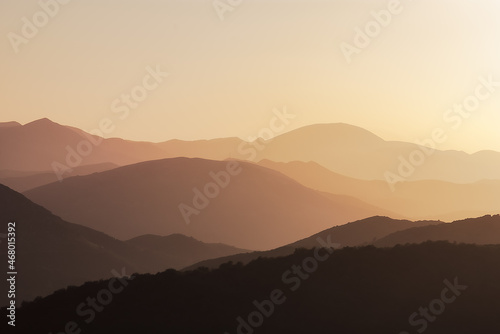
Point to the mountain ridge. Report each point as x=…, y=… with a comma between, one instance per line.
x=54, y=253
x=327, y=144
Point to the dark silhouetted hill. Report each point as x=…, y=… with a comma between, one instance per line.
x=355, y=291
x=358, y=233
x=482, y=231
x=52, y=253
x=178, y=249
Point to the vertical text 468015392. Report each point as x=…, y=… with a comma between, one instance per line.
x=11, y=272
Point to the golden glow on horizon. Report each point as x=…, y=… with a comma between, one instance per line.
x=225, y=77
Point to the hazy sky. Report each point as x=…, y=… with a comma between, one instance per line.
x=226, y=76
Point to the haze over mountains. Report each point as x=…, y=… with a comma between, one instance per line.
x=342, y=148
x=37, y=145
x=336, y=159
x=54, y=253
x=259, y=209
x=147, y=207
x=358, y=233
x=358, y=153
x=380, y=232
x=153, y=192
x=425, y=199
x=480, y=231
x=25, y=180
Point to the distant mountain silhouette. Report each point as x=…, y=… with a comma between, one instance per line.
x=344, y=149
x=214, y=149
x=357, y=153
x=9, y=124
x=443, y=288
x=36, y=145
x=259, y=209
x=28, y=180
x=52, y=253
x=358, y=233
x=416, y=199
x=481, y=231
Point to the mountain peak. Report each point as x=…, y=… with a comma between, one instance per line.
x=328, y=131
x=41, y=121
x=9, y=124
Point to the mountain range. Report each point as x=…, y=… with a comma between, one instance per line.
x=92, y=207
x=258, y=209
x=43, y=145
x=381, y=232
x=56, y=254
x=425, y=199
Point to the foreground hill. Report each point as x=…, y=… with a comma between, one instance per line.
x=52, y=253
x=414, y=199
x=383, y=232
x=358, y=233
x=256, y=208
x=481, y=231
x=358, y=291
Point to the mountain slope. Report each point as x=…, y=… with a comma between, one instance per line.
x=358, y=233
x=52, y=253
x=357, y=153
x=32, y=180
x=482, y=231
x=179, y=250
x=9, y=124
x=37, y=145
x=382, y=232
x=258, y=209
x=342, y=148
x=413, y=199
x=365, y=290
